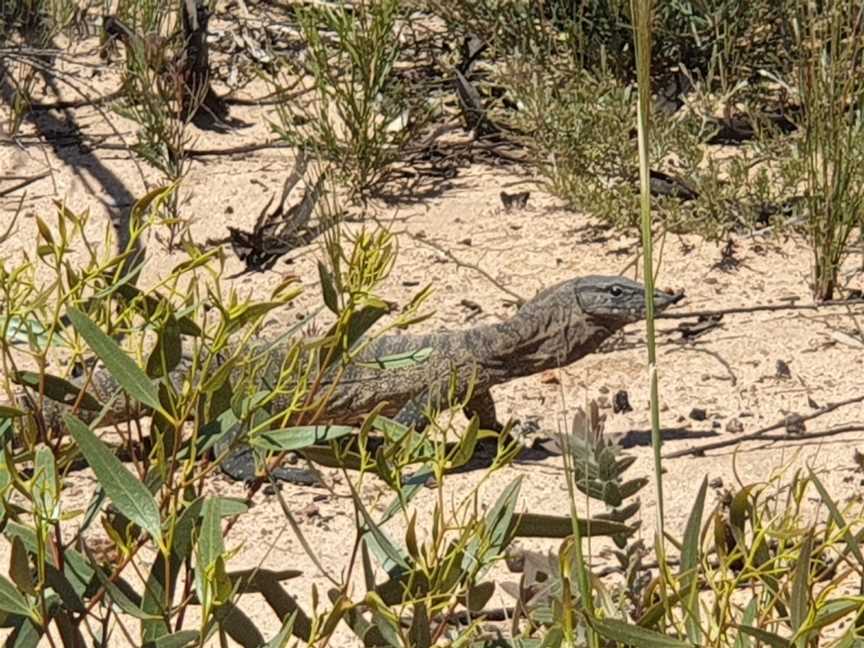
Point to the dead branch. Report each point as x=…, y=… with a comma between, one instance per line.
x=761, y=434
x=760, y=308
x=24, y=182
x=471, y=266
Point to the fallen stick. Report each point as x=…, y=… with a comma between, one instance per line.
x=756, y=309
x=23, y=183
x=761, y=434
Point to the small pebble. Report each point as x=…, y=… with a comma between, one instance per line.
x=621, y=402
x=698, y=414
x=734, y=426
x=783, y=372
x=794, y=424
x=269, y=489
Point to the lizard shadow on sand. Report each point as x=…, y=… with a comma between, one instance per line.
x=486, y=449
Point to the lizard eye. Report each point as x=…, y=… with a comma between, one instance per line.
x=616, y=291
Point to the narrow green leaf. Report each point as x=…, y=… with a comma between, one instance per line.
x=58, y=389
x=838, y=519
x=248, y=313
x=690, y=548
x=499, y=529
x=122, y=367
x=167, y=353
x=478, y=597
x=765, y=637
x=13, y=601
x=398, y=360
x=25, y=635
x=392, y=559
x=119, y=598
x=830, y=613
x=45, y=489
x=466, y=446
x=799, y=603
x=158, y=596
x=742, y=640
x=633, y=635
x=363, y=319
x=150, y=304
x=210, y=544
x=127, y=493
x=19, y=567
x=420, y=634
x=295, y=438
x=175, y=640
x=690, y=556
x=328, y=289
x=22, y=331
x=7, y=411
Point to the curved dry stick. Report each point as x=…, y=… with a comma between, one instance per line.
x=759, y=308
x=714, y=355
x=761, y=433
x=471, y=266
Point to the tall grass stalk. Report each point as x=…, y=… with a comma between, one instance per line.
x=830, y=48
x=641, y=10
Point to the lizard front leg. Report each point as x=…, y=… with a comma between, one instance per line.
x=482, y=405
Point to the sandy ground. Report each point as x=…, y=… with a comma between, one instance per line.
x=731, y=372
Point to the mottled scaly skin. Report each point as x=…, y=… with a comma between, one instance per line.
x=556, y=328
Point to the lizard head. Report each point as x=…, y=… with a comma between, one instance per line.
x=568, y=321
x=617, y=301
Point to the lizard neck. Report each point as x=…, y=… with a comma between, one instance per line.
x=534, y=340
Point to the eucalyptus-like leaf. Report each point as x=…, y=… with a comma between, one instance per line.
x=122, y=367
x=837, y=518
x=7, y=411
x=766, y=637
x=210, y=544
x=12, y=601
x=57, y=389
x=466, y=446
x=19, y=567
x=45, y=482
x=398, y=360
x=296, y=438
x=167, y=353
x=634, y=635
x=180, y=639
x=690, y=557
x=328, y=288
x=799, y=599
x=158, y=597
x=127, y=493
x=391, y=558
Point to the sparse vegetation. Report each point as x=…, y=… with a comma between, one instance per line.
x=624, y=110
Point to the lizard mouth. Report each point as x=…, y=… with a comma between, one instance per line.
x=665, y=299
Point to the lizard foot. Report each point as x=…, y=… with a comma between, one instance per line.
x=240, y=466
